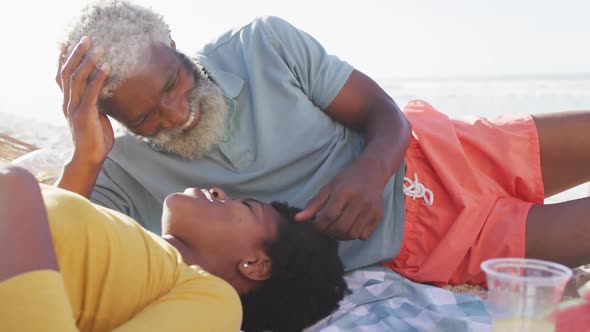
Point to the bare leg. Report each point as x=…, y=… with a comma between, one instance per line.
x=25, y=239
x=564, y=140
x=560, y=232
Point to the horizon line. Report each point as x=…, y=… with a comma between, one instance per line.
x=467, y=77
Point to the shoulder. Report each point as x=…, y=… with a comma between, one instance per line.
x=196, y=275
x=60, y=200
x=261, y=27
x=128, y=150
x=211, y=296
x=274, y=23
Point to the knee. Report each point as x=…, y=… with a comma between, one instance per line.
x=13, y=178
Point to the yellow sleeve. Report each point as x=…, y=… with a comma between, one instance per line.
x=201, y=303
x=35, y=301
x=118, y=275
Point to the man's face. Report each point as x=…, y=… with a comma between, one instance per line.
x=155, y=95
x=167, y=102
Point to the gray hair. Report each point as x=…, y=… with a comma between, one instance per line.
x=125, y=31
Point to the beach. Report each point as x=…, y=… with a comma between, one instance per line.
x=39, y=133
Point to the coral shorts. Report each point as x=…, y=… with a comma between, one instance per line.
x=484, y=175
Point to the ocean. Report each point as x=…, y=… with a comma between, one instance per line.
x=494, y=96
x=457, y=97
x=39, y=120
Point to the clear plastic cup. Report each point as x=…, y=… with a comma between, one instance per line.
x=524, y=293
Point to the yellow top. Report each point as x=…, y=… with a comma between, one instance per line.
x=116, y=276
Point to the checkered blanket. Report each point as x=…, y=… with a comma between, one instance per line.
x=382, y=300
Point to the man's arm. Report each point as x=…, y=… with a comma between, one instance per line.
x=350, y=206
x=91, y=130
x=365, y=107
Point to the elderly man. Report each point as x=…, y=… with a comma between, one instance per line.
x=263, y=112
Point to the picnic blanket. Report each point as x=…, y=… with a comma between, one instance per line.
x=382, y=300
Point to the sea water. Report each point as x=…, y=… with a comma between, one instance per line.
x=493, y=96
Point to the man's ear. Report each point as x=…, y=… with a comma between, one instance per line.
x=173, y=44
x=255, y=268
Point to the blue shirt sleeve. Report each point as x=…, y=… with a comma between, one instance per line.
x=320, y=74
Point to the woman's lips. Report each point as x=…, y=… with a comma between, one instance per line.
x=198, y=193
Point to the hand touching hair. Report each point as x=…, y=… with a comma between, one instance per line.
x=306, y=280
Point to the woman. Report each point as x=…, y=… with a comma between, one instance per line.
x=71, y=265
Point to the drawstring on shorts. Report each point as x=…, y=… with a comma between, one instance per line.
x=415, y=189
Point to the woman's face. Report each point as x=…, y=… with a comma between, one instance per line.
x=222, y=232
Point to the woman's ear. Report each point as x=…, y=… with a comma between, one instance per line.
x=173, y=44
x=255, y=268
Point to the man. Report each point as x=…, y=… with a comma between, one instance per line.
x=263, y=112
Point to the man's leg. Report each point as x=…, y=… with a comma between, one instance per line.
x=559, y=232
x=25, y=239
x=564, y=140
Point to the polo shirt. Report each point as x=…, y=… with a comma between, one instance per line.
x=278, y=143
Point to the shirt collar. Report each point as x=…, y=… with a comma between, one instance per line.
x=230, y=84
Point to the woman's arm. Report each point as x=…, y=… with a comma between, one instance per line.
x=25, y=239
x=32, y=292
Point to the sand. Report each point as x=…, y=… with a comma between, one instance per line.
x=40, y=134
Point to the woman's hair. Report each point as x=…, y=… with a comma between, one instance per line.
x=125, y=31
x=306, y=281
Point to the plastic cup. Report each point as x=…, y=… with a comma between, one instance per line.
x=524, y=293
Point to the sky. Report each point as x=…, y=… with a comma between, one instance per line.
x=385, y=39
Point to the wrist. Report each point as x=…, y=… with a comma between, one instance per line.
x=85, y=161
x=83, y=168
x=376, y=166
x=79, y=176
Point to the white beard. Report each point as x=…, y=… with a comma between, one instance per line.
x=193, y=144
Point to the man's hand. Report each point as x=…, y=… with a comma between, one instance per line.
x=350, y=206
x=91, y=130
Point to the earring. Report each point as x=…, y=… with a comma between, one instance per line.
x=245, y=265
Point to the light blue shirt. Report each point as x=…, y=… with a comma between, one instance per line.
x=278, y=142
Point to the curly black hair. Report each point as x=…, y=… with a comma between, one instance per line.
x=306, y=281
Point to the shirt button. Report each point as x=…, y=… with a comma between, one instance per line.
x=224, y=138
